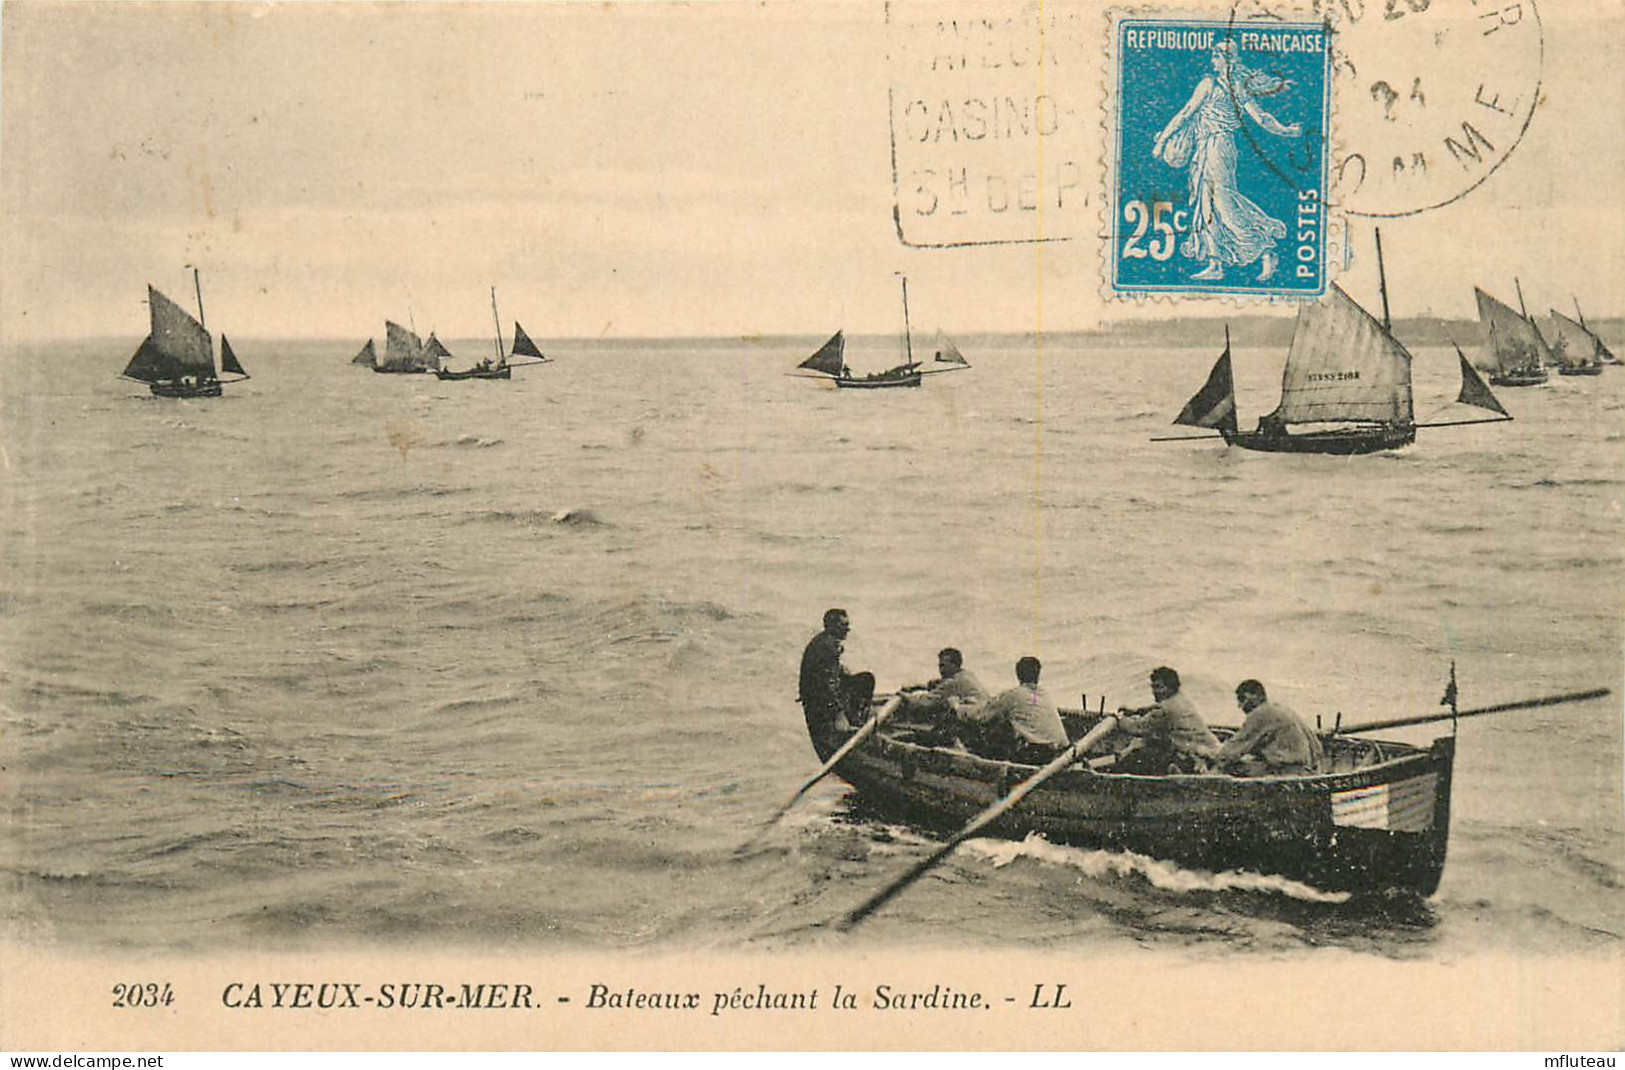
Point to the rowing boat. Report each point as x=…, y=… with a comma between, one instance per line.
x=1377, y=817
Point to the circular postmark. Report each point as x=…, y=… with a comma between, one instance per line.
x=1430, y=96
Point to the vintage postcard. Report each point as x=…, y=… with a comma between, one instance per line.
x=965, y=525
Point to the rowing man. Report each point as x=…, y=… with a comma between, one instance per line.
x=1273, y=741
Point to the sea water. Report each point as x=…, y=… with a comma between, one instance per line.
x=354, y=659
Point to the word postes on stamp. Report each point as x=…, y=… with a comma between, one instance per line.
x=992, y=106
x=1218, y=163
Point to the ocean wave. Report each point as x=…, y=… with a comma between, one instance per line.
x=1166, y=876
x=578, y=518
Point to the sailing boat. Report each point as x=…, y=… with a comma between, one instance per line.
x=502, y=367
x=177, y=358
x=404, y=352
x=435, y=354
x=1345, y=368
x=1517, y=352
x=1579, y=350
x=830, y=360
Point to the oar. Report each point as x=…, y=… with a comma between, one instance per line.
x=1183, y=438
x=848, y=747
x=987, y=817
x=1525, y=704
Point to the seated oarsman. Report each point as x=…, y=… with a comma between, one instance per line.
x=1272, y=741
x=1018, y=725
x=934, y=702
x=1170, y=736
x=832, y=699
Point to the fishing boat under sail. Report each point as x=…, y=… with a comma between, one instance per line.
x=830, y=360
x=1514, y=349
x=177, y=358
x=404, y=353
x=502, y=367
x=1579, y=351
x=1347, y=377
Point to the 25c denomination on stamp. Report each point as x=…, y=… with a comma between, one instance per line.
x=1218, y=162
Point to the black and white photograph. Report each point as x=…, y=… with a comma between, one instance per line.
x=570, y=526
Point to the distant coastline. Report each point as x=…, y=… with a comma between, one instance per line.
x=1246, y=330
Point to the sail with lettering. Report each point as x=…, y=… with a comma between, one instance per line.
x=1346, y=372
x=403, y=350
x=830, y=358
x=1343, y=367
x=1513, y=348
x=367, y=357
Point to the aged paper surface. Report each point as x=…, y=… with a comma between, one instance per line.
x=354, y=711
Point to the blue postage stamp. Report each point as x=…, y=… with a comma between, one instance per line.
x=1219, y=157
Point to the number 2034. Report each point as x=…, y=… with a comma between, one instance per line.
x=150, y=994
x=1156, y=229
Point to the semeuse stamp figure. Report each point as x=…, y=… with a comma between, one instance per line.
x=1190, y=110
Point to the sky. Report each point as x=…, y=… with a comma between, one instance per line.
x=638, y=170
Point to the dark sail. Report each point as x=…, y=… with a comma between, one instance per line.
x=228, y=359
x=367, y=356
x=149, y=364
x=176, y=345
x=1215, y=404
x=1473, y=389
x=830, y=356
x=522, y=345
x=435, y=355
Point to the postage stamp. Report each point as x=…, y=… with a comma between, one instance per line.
x=1217, y=162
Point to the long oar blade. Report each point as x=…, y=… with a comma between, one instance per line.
x=1432, y=718
x=863, y=733
x=1062, y=761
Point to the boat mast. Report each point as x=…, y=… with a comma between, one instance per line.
x=908, y=339
x=198, y=286
x=1382, y=284
x=498, y=321
x=1521, y=307
x=1582, y=315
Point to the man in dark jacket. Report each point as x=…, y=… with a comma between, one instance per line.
x=832, y=699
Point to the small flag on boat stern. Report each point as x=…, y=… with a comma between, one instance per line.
x=1215, y=404
x=1403, y=806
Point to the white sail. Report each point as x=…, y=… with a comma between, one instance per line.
x=403, y=350
x=1511, y=343
x=947, y=352
x=1572, y=344
x=1344, y=366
